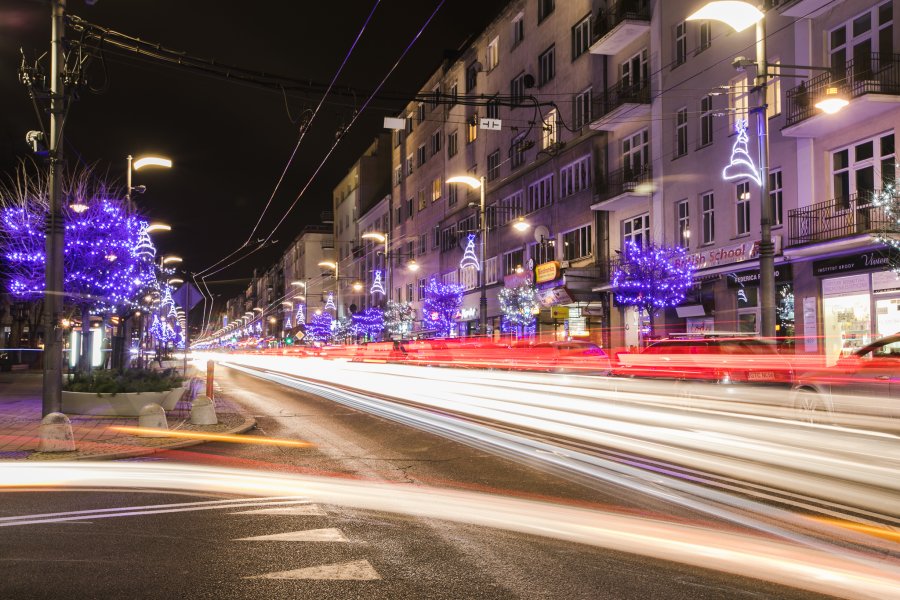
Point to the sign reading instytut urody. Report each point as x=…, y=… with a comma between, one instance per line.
x=547, y=271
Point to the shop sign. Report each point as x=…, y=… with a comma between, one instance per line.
x=467, y=314
x=559, y=312
x=726, y=255
x=851, y=284
x=885, y=281
x=557, y=295
x=547, y=271
x=855, y=262
x=783, y=274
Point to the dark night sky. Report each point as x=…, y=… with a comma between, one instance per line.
x=230, y=142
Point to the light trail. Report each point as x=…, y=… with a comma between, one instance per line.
x=211, y=437
x=838, y=571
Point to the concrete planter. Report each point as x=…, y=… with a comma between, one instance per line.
x=118, y=405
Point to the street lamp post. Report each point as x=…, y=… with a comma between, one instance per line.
x=144, y=161
x=479, y=184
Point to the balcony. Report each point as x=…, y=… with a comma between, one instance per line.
x=621, y=104
x=620, y=24
x=624, y=188
x=840, y=219
x=871, y=83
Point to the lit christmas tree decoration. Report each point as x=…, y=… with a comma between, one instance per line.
x=442, y=302
x=377, y=286
x=299, y=317
x=329, y=302
x=741, y=165
x=469, y=260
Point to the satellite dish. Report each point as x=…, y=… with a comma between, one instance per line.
x=541, y=233
x=528, y=80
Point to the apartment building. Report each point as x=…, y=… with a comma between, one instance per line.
x=511, y=107
x=304, y=285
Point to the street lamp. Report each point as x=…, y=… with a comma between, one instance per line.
x=521, y=224
x=152, y=227
x=385, y=239
x=478, y=184
x=412, y=265
x=135, y=165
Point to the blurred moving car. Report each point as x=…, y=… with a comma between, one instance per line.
x=562, y=357
x=866, y=382
x=719, y=358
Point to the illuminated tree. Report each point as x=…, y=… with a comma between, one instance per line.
x=319, y=328
x=519, y=306
x=398, y=317
x=888, y=201
x=652, y=277
x=442, y=303
x=368, y=323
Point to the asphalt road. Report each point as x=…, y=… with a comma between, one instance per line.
x=199, y=550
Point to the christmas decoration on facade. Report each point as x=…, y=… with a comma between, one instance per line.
x=377, y=285
x=741, y=165
x=329, y=302
x=469, y=260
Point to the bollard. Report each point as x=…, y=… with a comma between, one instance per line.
x=153, y=416
x=203, y=411
x=210, y=371
x=56, y=434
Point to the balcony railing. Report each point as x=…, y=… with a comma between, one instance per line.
x=877, y=73
x=607, y=18
x=619, y=94
x=839, y=218
x=623, y=181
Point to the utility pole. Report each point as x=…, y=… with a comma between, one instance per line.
x=53, y=274
x=766, y=245
x=482, y=302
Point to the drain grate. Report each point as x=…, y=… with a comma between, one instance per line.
x=14, y=454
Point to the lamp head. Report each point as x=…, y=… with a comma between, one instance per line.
x=734, y=13
x=151, y=161
x=472, y=182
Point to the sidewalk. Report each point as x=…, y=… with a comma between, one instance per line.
x=95, y=438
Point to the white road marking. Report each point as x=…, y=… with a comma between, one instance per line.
x=297, y=509
x=309, y=535
x=357, y=570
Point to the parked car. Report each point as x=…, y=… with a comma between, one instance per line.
x=729, y=359
x=866, y=382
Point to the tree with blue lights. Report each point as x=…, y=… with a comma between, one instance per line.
x=519, y=306
x=442, y=303
x=368, y=323
x=652, y=277
x=320, y=327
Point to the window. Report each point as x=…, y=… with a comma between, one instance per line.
x=409, y=292
x=862, y=168
x=636, y=230
x=399, y=212
x=409, y=164
x=636, y=153
x=581, y=37
x=420, y=113
x=409, y=208
x=493, y=109
x=437, y=189
x=399, y=296
x=545, y=7
x=398, y=174
x=775, y=197
x=453, y=93
x=518, y=29
x=397, y=137
x=581, y=109
x=773, y=92
x=409, y=123
x=452, y=194
x=472, y=129
x=543, y=251
x=680, y=43
x=577, y=243
x=423, y=283
x=493, y=53
x=517, y=89
x=704, y=36
x=706, y=121
x=682, y=211
x=411, y=249
x=423, y=202
x=707, y=204
x=547, y=65
x=452, y=143
x=468, y=278
x=519, y=146
x=742, y=204
x=681, y=143
x=540, y=194
x=472, y=76
x=509, y=208
x=448, y=238
x=738, y=101
x=575, y=177
x=549, y=131
x=490, y=270
x=435, y=96
x=421, y=156
x=436, y=142
x=858, y=39
x=493, y=165
x=423, y=244
x=635, y=71
x=512, y=261
x=467, y=226
x=436, y=237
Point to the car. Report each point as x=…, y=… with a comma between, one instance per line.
x=573, y=356
x=729, y=359
x=866, y=382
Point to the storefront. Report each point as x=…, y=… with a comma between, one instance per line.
x=570, y=309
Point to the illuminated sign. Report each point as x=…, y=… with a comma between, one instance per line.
x=725, y=255
x=547, y=271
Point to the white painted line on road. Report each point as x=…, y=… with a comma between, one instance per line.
x=358, y=570
x=330, y=534
x=297, y=509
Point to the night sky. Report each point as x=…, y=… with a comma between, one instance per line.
x=230, y=142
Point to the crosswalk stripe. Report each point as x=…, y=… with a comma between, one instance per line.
x=310, y=535
x=357, y=570
x=298, y=509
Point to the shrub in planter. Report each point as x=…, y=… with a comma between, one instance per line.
x=114, y=382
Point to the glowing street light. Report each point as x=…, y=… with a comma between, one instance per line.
x=833, y=101
x=171, y=259
x=299, y=284
x=158, y=227
x=176, y=281
x=134, y=165
x=412, y=266
x=738, y=15
x=521, y=224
